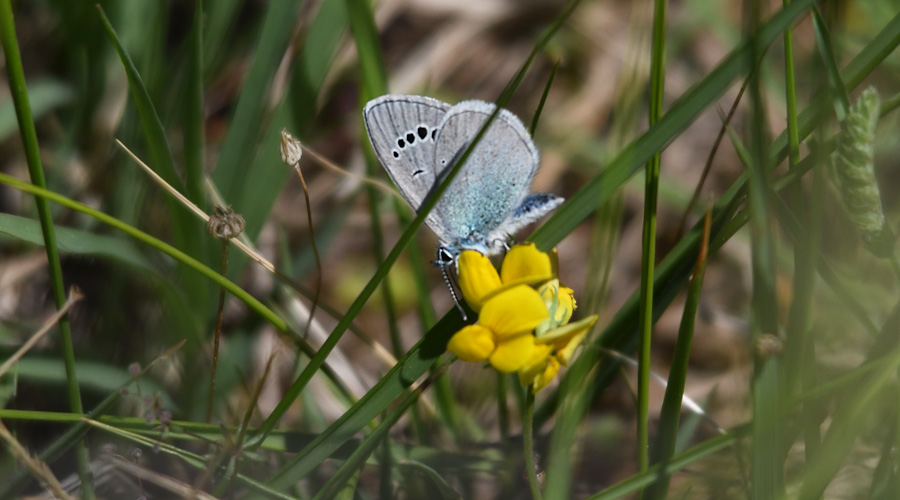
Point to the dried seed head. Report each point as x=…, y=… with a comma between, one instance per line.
x=854, y=169
x=290, y=149
x=224, y=223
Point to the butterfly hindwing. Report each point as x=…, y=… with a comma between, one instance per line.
x=402, y=130
x=531, y=209
x=497, y=174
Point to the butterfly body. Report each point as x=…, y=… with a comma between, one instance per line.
x=417, y=139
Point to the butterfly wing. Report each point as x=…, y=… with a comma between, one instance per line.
x=402, y=130
x=532, y=208
x=494, y=180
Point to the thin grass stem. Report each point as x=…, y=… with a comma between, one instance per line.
x=648, y=245
x=19, y=92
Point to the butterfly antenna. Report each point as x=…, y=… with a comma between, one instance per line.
x=453, y=293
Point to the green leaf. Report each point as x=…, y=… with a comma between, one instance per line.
x=75, y=241
x=44, y=95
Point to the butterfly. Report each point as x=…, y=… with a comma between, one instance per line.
x=418, y=138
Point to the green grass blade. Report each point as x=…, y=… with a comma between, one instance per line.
x=767, y=448
x=44, y=96
x=362, y=25
x=826, y=51
x=160, y=155
x=296, y=111
x=75, y=241
x=193, y=114
x=186, y=229
x=648, y=236
x=408, y=369
x=642, y=480
x=72, y=437
x=16, y=76
x=670, y=414
x=236, y=160
x=325, y=34
x=357, y=459
x=220, y=15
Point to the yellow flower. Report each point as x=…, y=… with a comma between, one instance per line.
x=556, y=339
x=503, y=335
x=519, y=329
x=479, y=280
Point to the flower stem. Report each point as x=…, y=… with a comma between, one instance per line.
x=528, y=440
x=218, y=334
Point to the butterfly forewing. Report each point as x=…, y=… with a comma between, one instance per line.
x=403, y=129
x=496, y=176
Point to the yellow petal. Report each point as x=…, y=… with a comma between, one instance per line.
x=472, y=343
x=525, y=262
x=513, y=311
x=543, y=379
x=512, y=352
x=477, y=278
x=535, y=365
x=565, y=346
